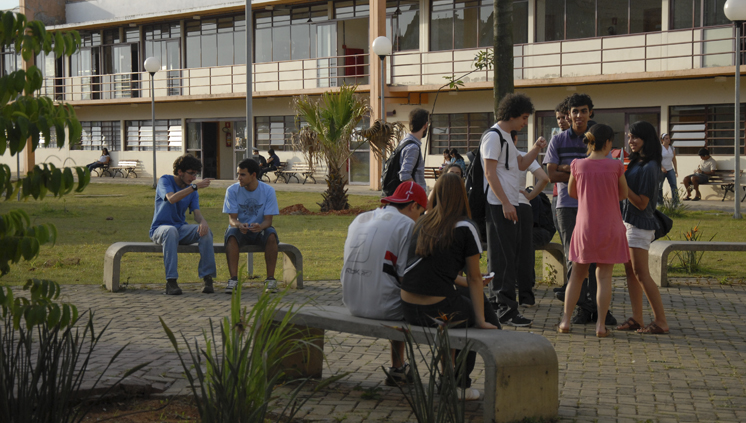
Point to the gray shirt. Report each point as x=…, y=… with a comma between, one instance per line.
x=408, y=159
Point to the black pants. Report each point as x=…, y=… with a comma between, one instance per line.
x=526, y=255
x=502, y=244
x=462, y=308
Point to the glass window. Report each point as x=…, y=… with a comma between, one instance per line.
x=710, y=126
x=697, y=13
x=275, y=132
x=550, y=20
x=644, y=16
x=216, y=42
x=441, y=25
x=461, y=131
x=472, y=21
x=403, y=21
x=97, y=135
x=139, y=135
x=580, y=15
x=612, y=17
x=573, y=19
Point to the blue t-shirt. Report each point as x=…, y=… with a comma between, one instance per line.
x=563, y=149
x=171, y=214
x=251, y=206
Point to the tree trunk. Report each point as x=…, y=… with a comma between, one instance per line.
x=335, y=196
x=503, y=45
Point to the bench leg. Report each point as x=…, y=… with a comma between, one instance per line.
x=250, y=265
x=292, y=270
x=309, y=360
x=554, y=263
x=658, y=265
x=112, y=266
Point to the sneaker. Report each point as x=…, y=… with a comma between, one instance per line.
x=231, y=285
x=400, y=376
x=560, y=288
x=517, y=320
x=582, y=317
x=172, y=288
x=560, y=295
x=468, y=394
x=207, y=287
x=270, y=285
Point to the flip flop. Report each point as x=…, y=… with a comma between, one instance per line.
x=653, y=329
x=696, y=198
x=630, y=324
x=604, y=334
x=686, y=199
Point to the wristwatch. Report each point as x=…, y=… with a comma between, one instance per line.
x=194, y=187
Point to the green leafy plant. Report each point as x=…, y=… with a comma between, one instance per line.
x=43, y=362
x=673, y=208
x=438, y=400
x=689, y=260
x=236, y=371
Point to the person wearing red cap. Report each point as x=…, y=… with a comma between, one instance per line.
x=375, y=254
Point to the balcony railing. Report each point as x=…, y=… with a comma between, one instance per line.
x=295, y=75
x=648, y=52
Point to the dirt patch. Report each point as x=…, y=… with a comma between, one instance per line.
x=300, y=209
x=140, y=410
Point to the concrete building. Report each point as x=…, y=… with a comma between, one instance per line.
x=670, y=62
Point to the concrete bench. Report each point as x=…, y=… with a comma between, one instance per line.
x=292, y=262
x=521, y=369
x=659, y=251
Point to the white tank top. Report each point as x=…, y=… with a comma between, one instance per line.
x=667, y=161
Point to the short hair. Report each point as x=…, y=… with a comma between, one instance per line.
x=597, y=136
x=250, y=165
x=579, y=100
x=514, y=105
x=417, y=119
x=562, y=107
x=401, y=206
x=703, y=152
x=187, y=162
x=651, y=144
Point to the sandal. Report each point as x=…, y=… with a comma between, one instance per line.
x=653, y=329
x=630, y=324
x=603, y=334
x=696, y=198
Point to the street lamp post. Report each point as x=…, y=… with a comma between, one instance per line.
x=382, y=47
x=153, y=65
x=735, y=10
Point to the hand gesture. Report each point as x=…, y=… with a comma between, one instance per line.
x=541, y=142
x=243, y=227
x=255, y=228
x=486, y=279
x=204, y=183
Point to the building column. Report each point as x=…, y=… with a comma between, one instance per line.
x=377, y=29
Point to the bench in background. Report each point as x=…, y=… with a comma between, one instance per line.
x=103, y=170
x=659, y=251
x=432, y=172
x=520, y=368
x=125, y=168
x=292, y=259
x=727, y=182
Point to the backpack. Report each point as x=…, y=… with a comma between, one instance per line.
x=476, y=191
x=541, y=207
x=390, y=176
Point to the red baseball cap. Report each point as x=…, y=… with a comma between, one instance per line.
x=406, y=192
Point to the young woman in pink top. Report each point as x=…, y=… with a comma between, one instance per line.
x=599, y=236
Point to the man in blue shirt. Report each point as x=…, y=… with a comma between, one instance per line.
x=412, y=165
x=250, y=204
x=173, y=196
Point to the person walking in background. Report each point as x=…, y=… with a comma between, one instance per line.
x=707, y=166
x=598, y=183
x=412, y=165
x=669, y=170
x=639, y=219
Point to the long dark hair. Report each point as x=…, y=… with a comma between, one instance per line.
x=455, y=154
x=105, y=151
x=446, y=207
x=651, y=145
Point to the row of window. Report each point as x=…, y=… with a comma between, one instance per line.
x=691, y=128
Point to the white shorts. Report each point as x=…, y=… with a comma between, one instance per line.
x=639, y=238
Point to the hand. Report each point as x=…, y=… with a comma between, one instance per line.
x=486, y=279
x=486, y=325
x=243, y=227
x=510, y=213
x=255, y=228
x=204, y=183
x=523, y=191
x=563, y=168
x=203, y=228
x=541, y=142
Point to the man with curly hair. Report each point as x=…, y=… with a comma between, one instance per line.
x=173, y=196
x=502, y=170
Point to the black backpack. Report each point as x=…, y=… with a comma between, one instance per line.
x=475, y=188
x=390, y=176
x=541, y=206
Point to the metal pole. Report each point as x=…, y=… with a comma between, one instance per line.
x=737, y=128
x=383, y=85
x=152, y=117
x=249, y=132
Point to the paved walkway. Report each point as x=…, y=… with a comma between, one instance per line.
x=693, y=374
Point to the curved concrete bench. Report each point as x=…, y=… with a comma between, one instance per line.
x=292, y=263
x=659, y=251
x=521, y=369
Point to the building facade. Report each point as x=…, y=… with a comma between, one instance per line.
x=669, y=62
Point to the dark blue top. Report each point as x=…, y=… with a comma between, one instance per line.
x=642, y=180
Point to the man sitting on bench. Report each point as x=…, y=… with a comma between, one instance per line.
x=250, y=204
x=173, y=196
x=375, y=256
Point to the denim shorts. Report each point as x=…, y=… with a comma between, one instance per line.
x=250, y=238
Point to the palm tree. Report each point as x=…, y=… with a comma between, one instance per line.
x=333, y=119
x=383, y=137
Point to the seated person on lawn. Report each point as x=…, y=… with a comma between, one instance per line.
x=173, y=196
x=250, y=205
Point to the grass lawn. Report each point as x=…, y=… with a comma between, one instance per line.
x=88, y=223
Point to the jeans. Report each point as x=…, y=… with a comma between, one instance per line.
x=170, y=237
x=566, y=224
x=502, y=248
x=671, y=177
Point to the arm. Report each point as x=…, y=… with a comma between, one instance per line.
x=490, y=171
x=639, y=201
x=175, y=197
x=408, y=159
x=623, y=188
x=234, y=223
x=675, y=166
x=525, y=161
x=541, y=181
x=476, y=291
x=572, y=188
x=258, y=227
x=203, y=227
x=558, y=173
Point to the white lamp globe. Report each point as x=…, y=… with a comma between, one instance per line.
x=382, y=46
x=152, y=65
x=735, y=10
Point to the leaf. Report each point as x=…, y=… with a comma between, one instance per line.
x=59, y=44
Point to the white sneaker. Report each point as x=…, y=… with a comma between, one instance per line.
x=232, y=284
x=468, y=394
x=270, y=285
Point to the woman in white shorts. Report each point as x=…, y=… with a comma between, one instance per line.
x=638, y=210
